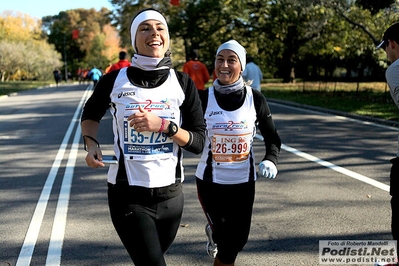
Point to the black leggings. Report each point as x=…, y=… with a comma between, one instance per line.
x=146, y=220
x=228, y=209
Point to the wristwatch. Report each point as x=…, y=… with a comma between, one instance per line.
x=172, y=128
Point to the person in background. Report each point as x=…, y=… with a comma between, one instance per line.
x=70, y=75
x=156, y=114
x=252, y=74
x=84, y=73
x=123, y=62
x=197, y=71
x=95, y=74
x=390, y=44
x=79, y=74
x=57, y=76
x=226, y=172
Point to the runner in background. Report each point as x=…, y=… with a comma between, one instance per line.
x=123, y=62
x=197, y=71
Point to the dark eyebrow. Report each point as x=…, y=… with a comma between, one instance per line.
x=148, y=24
x=229, y=57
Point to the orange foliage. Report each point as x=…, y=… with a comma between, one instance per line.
x=112, y=41
x=17, y=26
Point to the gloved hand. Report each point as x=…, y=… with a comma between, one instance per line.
x=267, y=169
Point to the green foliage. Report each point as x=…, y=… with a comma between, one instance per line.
x=34, y=61
x=311, y=37
x=374, y=6
x=292, y=25
x=94, y=57
x=205, y=31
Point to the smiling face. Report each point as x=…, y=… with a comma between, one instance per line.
x=227, y=67
x=152, y=39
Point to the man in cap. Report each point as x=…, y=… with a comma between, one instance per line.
x=390, y=44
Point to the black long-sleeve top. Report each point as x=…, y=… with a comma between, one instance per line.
x=235, y=100
x=192, y=115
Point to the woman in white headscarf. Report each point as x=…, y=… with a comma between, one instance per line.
x=226, y=172
x=156, y=113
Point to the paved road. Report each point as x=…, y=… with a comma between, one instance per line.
x=332, y=184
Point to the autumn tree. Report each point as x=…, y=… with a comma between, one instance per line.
x=24, y=52
x=111, y=43
x=95, y=42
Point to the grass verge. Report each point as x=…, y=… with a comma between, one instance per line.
x=371, y=99
x=9, y=87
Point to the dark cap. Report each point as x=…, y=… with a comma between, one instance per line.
x=392, y=33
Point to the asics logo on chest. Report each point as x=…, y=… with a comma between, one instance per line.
x=215, y=113
x=126, y=93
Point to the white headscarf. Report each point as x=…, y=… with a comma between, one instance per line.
x=143, y=16
x=237, y=48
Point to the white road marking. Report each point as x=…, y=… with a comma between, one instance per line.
x=331, y=166
x=337, y=168
x=60, y=219
x=58, y=231
x=25, y=255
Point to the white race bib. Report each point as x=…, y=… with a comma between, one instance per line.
x=145, y=145
x=231, y=148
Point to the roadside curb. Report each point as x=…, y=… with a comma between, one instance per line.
x=340, y=113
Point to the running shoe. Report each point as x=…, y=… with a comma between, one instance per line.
x=211, y=247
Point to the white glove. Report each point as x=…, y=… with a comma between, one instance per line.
x=267, y=169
